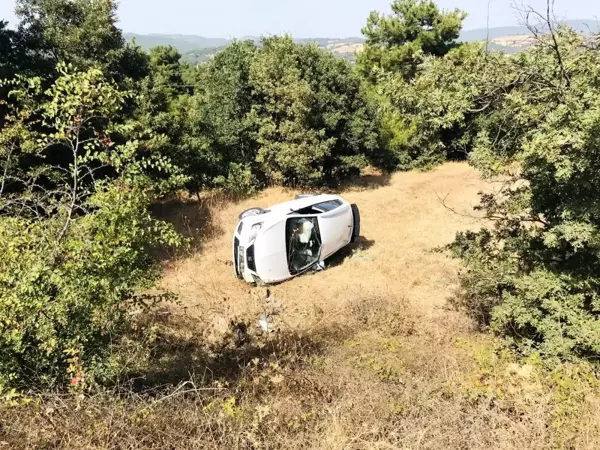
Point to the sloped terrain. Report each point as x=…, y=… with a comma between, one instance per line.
x=364, y=355
x=368, y=353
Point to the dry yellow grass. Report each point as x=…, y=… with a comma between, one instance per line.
x=367, y=355
x=402, y=221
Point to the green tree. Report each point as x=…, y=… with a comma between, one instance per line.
x=534, y=276
x=221, y=145
x=314, y=122
x=436, y=116
x=11, y=61
x=166, y=70
x=78, y=32
x=75, y=234
x=157, y=108
x=398, y=42
x=9, y=52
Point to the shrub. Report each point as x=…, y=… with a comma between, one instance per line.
x=535, y=275
x=75, y=232
x=291, y=114
x=239, y=181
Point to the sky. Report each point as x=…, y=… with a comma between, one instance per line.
x=301, y=18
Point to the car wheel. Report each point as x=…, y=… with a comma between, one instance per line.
x=251, y=212
x=355, y=223
x=299, y=196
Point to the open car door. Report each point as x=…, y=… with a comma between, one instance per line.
x=336, y=229
x=303, y=243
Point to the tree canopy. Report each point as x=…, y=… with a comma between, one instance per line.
x=398, y=42
x=78, y=32
x=534, y=275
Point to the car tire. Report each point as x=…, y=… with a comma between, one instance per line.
x=299, y=196
x=355, y=223
x=251, y=212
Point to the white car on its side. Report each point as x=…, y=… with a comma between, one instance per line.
x=274, y=244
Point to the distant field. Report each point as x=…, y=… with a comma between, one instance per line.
x=514, y=41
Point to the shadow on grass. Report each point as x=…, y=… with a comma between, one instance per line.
x=369, y=181
x=192, y=218
x=175, y=359
x=350, y=251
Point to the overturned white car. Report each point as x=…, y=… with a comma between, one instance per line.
x=274, y=244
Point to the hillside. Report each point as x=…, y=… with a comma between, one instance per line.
x=367, y=354
x=515, y=39
x=481, y=34
x=183, y=43
x=197, y=49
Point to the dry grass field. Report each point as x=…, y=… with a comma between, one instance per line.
x=365, y=355
x=403, y=220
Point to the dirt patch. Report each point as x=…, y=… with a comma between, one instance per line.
x=515, y=41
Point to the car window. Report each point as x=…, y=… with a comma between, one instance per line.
x=327, y=206
x=303, y=243
x=320, y=208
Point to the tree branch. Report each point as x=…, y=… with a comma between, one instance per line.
x=6, y=165
x=75, y=150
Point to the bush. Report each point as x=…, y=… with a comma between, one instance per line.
x=534, y=276
x=63, y=308
x=239, y=181
x=290, y=114
x=75, y=232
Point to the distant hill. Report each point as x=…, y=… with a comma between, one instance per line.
x=182, y=42
x=185, y=43
x=502, y=33
x=196, y=49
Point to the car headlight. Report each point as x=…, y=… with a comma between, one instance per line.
x=254, y=230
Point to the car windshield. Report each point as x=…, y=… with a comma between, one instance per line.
x=303, y=243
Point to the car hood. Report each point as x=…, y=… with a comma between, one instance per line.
x=270, y=254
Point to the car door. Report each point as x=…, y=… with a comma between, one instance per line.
x=303, y=243
x=336, y=229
